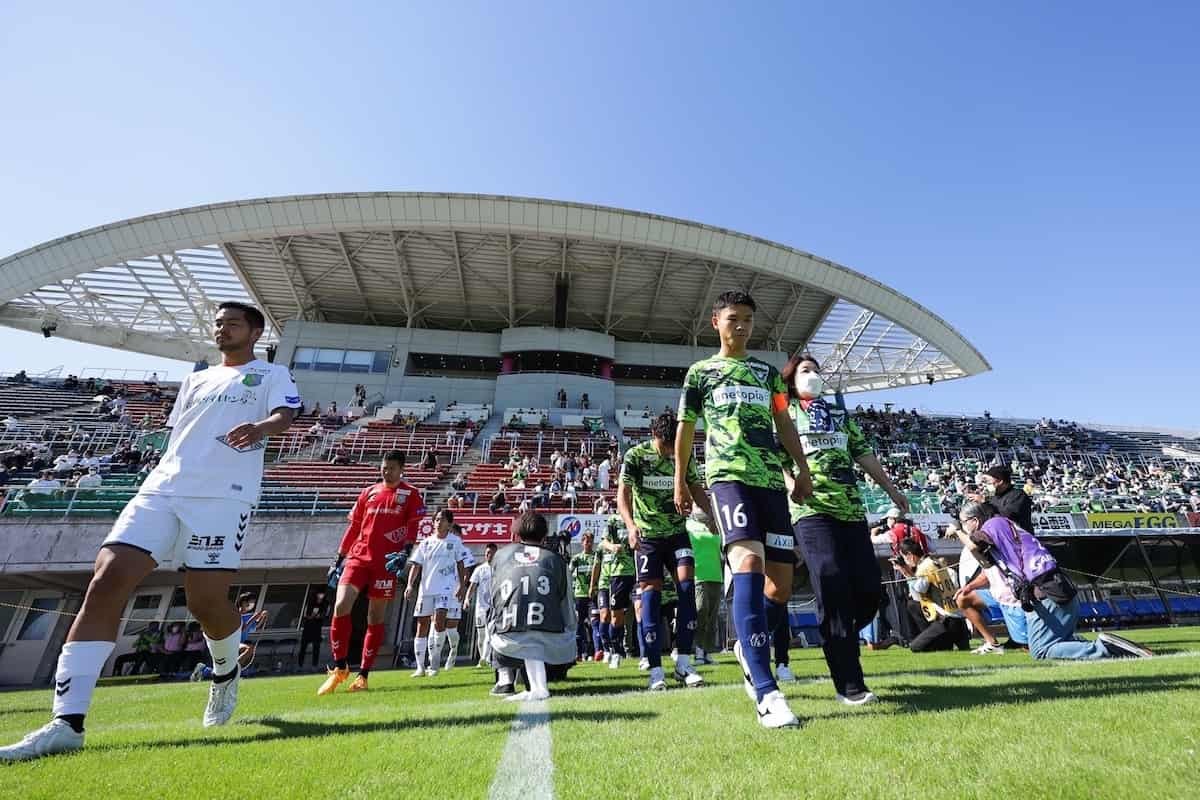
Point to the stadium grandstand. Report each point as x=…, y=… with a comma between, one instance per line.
x=512, y=348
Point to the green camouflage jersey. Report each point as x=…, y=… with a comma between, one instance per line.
x=652, y=479
x=619, y=564
x=736, y=397
x=581, y=572
x=831, y=458
x=670, y=594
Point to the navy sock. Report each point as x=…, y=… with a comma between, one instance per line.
x=750, y=619
x=685, y=618
x=606, y=635
x=597, y=642
x=651, y=635
x=619, y=639
x=776, y=622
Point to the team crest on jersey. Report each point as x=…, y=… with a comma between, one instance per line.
x=252, y=379
x=760, y=370
x=526, y=555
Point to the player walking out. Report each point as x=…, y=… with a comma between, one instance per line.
x=439, y=565
x=481, y=588
x=744, y=403
x=658, y=535
x=383, y=521
x=192, y=512
x=613, y=577
x=581, y=567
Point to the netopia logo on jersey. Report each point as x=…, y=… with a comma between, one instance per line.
x=749, y=395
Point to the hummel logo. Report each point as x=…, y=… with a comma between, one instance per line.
x=220, y=662
x=62, y=687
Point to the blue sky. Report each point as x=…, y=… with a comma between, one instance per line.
x=1028, y=172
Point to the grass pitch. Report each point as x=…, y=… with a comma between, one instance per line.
x=950, y=725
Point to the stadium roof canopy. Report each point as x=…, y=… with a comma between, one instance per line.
x=464, y=262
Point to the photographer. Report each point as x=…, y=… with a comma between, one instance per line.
x=931, y=584
x=1047, y=596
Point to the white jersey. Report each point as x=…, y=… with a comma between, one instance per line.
x=481, y=579
x=439, y=560
x=212, y=402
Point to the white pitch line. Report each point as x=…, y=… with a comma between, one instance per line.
x=526, y=769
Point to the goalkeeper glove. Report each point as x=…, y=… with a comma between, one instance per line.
x=335, y=573
x=396, y=562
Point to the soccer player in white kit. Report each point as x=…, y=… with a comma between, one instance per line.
x=481, y=588
x=439, y=564
x=191, y=512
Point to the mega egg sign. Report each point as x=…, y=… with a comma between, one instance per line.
x=575, y=525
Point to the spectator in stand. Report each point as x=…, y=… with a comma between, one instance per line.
x=397, y=418
x=499, y=504
x=604, y=475
x=90, y=480
x=66, y=462
x=341, y=457
x=455, y=503
x=316, y=410
x=570, y=495
x=47, y=484
x=562, y=398
x=468, y=436
x=1009, y=501
x=459, y=484
x=313, y=433
x=541, y=498
x=153, y=379
x=584, y=403
x=602, y=506
x=71, y=383
x=430, y=461
x=11, y=423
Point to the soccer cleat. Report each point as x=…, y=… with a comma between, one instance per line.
x=883, y=644
x=198, y=672
x=689, y=677
x=674, y=655
x=783, y=674
x=658, y=680
x=614, y=662
x=54, y=737
x=857, y=698
x=773, y=711
x=987, y=649
x=450, y=662
x=501, y=689
x=644, y=665
x=1121, y=647
x=482, y=664
x=531, y=696
x=222, y=700
x=747, y=681
x=430, y=672
x=359, y=685
x=335, y=678
x=418, y=673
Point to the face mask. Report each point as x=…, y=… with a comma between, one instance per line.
x=809, y=385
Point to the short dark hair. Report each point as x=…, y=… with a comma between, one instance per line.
x=531, y=527
x=664, y=427
x=789, y=371
x=490, y=546
x=734, y=297
x=397, y=456
x=1000, y=473
x=247, y=597
x=912, y=547
x=253, y=315
x=447, y=515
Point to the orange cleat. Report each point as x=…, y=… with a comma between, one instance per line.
x=336, y=678
x=359, y=685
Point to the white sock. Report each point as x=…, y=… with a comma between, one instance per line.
x=420, y=648
x=452, y=640
x=435, y=648
x=79, y=668
x=536, y=670
x=506, y=676
x=224, y=653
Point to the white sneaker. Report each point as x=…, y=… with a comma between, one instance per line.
x=450, y=663
x=783, y=674
x=643, y=665
x=198, y=672
x=658, y=680
x=773, y=712
x=859, y=699
x=614, y=661
x=986, y=649
x=418, y=673
x=531, y=696
x=689, y=677
x=747, y=681
x=54, y=737
x=222, y=699
x=430, y=672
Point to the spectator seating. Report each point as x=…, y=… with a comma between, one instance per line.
x=377, y=437
x=34, y=399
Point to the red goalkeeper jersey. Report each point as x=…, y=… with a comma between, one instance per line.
x=382, y=521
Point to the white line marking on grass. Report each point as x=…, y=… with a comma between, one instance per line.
x=526, y=767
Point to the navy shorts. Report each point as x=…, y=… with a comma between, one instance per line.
x=620, y=589
x=665, y=551
x=602, y=599
x=753, y=514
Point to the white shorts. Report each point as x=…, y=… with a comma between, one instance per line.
x=481, y=616
x=428, y=606
x=187, y=532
